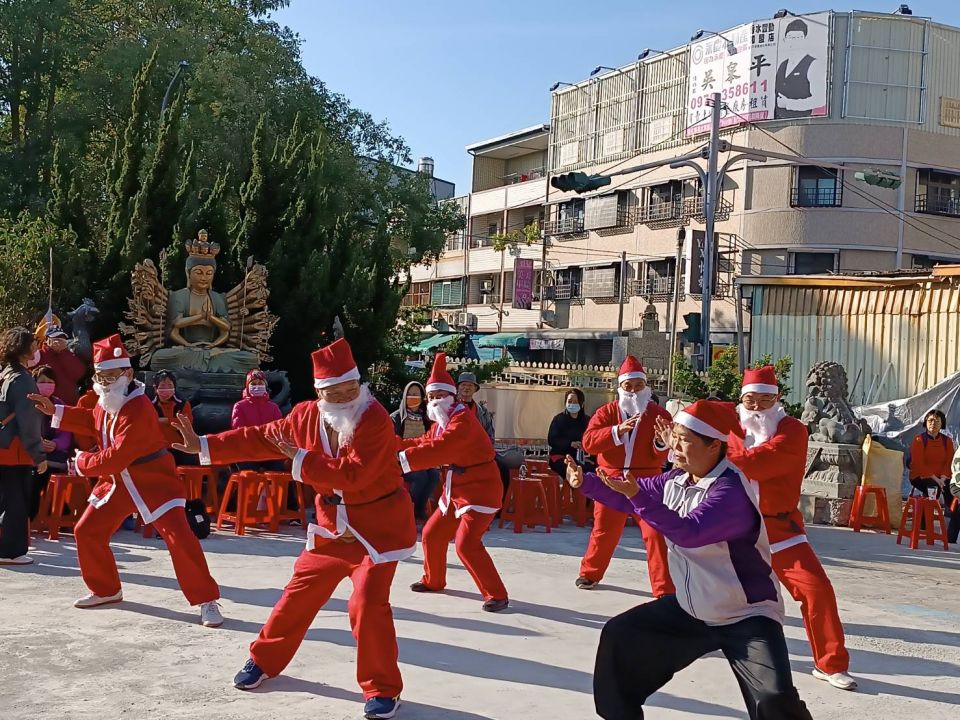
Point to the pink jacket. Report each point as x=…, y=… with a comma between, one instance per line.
x=254, y=411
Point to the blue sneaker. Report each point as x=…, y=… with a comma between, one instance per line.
x=250, y=677
x=381, y=707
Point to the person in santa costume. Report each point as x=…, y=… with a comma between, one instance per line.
x=729, y=600
x=137, y=474
x=343, y=446
x=622, y=436
x=472, y=491
x=773, y=454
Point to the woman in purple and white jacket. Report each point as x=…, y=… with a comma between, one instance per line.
x=727, y=597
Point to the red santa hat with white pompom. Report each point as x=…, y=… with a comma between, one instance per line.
x=760, y=380
x=110, y=354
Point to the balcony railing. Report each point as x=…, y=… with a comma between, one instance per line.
x=563, y=226
x=519, y=177
x=662, y=213
x=566, y=291
x=693, y=208
x=651, y=286
x=817, y=197
x=938, y=204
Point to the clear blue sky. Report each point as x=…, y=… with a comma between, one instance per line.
x=446, y=74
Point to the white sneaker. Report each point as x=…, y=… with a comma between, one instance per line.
x=92, y=601
x=840, y=680
x=22, y=560
x=210, y=615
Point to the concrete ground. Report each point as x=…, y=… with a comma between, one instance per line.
x=148, y=657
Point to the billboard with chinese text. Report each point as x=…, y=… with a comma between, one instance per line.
x=523, y=283
x=766, y=70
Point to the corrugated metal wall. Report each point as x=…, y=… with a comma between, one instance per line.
x=897, y=340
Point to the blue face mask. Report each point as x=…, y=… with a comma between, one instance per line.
x=573, y=408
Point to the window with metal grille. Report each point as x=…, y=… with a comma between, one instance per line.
x=938, y=193
x=568, y=284
x=447, y=293
x=816, y=187
x=814, y=263
x=600, y=282
x=418, y=296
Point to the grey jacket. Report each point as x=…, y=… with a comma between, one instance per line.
x=15, y=384
x=486, y=420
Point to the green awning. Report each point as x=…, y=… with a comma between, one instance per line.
x=432, y=342
x=514, y=340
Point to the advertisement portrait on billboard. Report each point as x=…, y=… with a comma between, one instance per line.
x=523, y=284
x=766, y=70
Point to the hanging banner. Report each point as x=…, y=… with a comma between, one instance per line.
x=766, y=70
x=696, y=262
x=546, y=344
x=523, y=283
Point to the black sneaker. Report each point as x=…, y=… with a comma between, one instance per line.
x=422, y=588
x=586, y=583
x=249, y=677
x=496, y=605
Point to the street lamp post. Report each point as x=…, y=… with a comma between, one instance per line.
x=181, y=68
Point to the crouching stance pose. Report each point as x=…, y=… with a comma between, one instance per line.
x=727, y=593
x=137, y=474
x=344, y=447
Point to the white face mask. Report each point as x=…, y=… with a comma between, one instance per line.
x=112, y=396
x=573, y=408
x=439, y=410
x=258, y=390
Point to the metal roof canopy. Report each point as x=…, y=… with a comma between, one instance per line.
x=844, y=280
x=514, y=144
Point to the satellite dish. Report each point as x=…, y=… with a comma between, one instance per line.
x=549, y=317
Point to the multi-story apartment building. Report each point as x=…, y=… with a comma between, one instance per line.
x=862, y=90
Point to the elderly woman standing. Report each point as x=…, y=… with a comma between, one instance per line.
x=21, y=442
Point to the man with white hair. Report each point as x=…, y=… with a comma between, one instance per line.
x=137, y=474
x=773, y=454
x=342, y=445
x=622, y=435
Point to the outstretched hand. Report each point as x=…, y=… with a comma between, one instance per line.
x=663, y=431
x=574, y=472
x=275, y=435
x=191, y=441
x=43, y=403
x=626, y=486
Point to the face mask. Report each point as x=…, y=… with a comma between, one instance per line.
x=257, y=390
x=413, y=402
x=34, y=360
x=165, y=393
x=46, y=388
x=573, y=408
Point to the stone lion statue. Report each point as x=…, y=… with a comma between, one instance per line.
x=827, y=412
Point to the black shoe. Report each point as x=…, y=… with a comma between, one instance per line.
x=586, y=583
x=496, y=605
x=422, y=588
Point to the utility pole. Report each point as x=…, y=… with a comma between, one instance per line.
x=623, y=285
x=674, y=335
x=710, y=196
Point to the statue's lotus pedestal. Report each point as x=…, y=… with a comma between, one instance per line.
x=212, y=395
x=830, y=479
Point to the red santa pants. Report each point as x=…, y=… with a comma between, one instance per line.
x=316, y=575
x=99, y=568
x=608, y=526
x=801, y=573
x=467, y=530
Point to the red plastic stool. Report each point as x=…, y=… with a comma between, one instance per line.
x=574, y=504
x=280, y=483
x=551, y=485
x=931, y=513
x=60, y=490
x=880, y=520
x=193, y=479
x=246, y=486
x=526, y=504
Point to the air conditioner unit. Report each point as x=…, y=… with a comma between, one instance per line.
x=486, y=286
x=467, y=320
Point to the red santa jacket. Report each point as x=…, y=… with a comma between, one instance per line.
x=359, y=488
x=777, y=467
x=132, y=450
x=465, y=455
x=635, y=452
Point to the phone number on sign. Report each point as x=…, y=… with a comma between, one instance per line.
x=735, y=91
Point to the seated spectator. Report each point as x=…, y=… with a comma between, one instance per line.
x=255, y=408
x=410, y=421
x=953, y=505
x=566, y=431
x=930, y=455
x=57, y=444
x=168, y=406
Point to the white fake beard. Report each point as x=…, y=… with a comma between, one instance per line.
x=344, y=417
x=634, y=403
x=112, y=396
x=439, y=410
x=760, y=425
